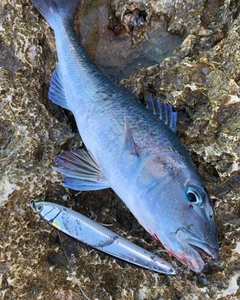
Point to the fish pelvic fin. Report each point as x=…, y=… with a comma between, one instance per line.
x=82, y=173
x=56, y=91
x=164, y=112
x=52, y=9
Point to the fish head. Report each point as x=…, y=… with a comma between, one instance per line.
x=174, y=206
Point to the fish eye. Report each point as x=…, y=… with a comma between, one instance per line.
x=39, y=208
x=193, y=196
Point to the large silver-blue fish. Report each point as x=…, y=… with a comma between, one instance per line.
x=131, y=149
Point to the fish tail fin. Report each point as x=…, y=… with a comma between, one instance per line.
x=53, y=9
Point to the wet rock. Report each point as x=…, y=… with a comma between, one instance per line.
x=8, y=60
x=201, y=79
x=123, y=45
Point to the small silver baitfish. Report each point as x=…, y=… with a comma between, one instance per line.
x=93, y=234
x=131, y=149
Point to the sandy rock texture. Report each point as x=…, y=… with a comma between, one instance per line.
x=201, y=80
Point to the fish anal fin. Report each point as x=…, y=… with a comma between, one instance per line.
x=164, y=112
x=56, y=91
x=82, y=173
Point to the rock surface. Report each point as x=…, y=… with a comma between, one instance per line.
x=123, y=44
x=201, y=79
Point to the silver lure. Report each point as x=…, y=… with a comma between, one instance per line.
x=91, y=233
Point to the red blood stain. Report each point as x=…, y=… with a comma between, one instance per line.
x=180, y=256
x=156, y=237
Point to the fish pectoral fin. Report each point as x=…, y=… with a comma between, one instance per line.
x=82, y=173
x=56, y=91
x=129, y=146
x=164, y=112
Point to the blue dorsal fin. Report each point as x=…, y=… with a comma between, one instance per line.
x=164, y=112
x=56, y=92
x=132, y=93
x=129, y=144
x=82, y=173
x=151, y=105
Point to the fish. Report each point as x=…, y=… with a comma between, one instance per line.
x=132, y=149
x=97, y=236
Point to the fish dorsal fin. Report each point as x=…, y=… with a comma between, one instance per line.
x=136, y=98
x=164, y=112
x=82, y=173
x=56, y=91
x=129, y=144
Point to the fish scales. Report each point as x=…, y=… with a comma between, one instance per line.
x=139, y=156
x=98, y=99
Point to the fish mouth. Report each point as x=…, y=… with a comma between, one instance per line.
x=205, y=250
x=194, y=247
